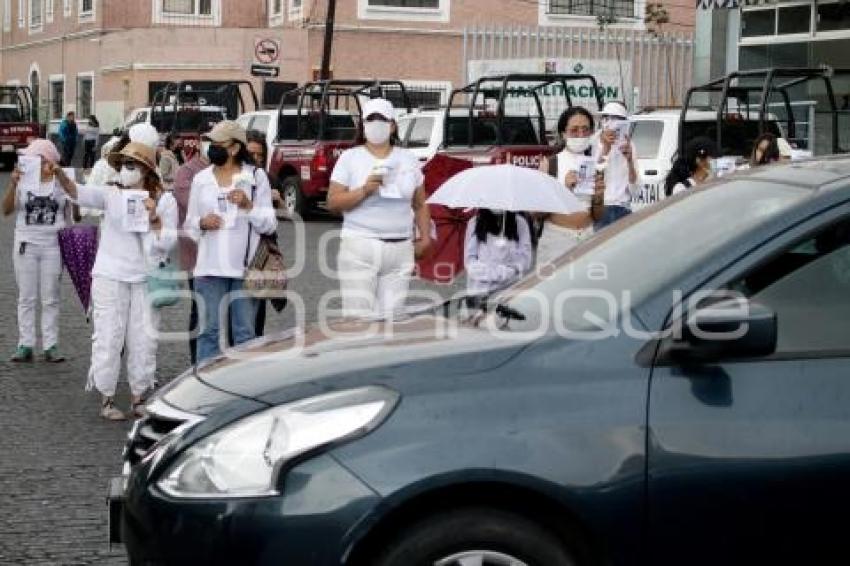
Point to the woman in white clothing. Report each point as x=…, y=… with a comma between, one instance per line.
x=562, y=232
x=230, y=206
x=691, y=169
x=497, y=251
x=128, y=251
x=377, y=188
x=41, y=212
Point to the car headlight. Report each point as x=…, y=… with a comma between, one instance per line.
x=242, y=459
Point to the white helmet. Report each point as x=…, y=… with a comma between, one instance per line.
x=616, y=109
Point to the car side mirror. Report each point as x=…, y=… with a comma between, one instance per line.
x=728, y=330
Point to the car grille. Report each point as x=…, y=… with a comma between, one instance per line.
x=149, y=430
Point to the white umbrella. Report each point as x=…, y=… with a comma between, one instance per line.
x=507, y=187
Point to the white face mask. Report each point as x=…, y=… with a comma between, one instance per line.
x=130, y=178
x=578, y=145
x=377, y=133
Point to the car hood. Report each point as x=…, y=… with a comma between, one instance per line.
x=264, y=369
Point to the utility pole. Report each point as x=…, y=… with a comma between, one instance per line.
x=325, y=73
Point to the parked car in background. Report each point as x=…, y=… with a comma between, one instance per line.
x=689, y=407
x=18, y=122
x=317, y=122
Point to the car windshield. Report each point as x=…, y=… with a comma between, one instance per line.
x=629, y=263
x=189, y=120
x=10, y=115
x=338, y=127
x=646, y=135
x=738, y=135
x=516, y=130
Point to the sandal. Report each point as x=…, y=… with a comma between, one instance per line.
x=109, y=412
x=137, y=409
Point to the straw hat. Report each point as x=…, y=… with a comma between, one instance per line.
x=138, y=152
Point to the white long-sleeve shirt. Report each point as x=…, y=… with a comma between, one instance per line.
x=221, y=253
x=128, y=256
x=497, y=262
x=618, y=190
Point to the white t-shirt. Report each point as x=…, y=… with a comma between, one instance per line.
x=618, y=190
x=387, y=213
x=41, y=214
x=221, y=253
x=128, y=256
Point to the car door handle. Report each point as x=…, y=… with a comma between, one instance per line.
x=650, y=172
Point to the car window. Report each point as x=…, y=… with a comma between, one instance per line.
x=403, y=127
x=808, y=287
x=338, y=127
x=646, y=136
x=420, y=134
x=738, y=135
x=620, y=268
x=260, y=124
x=10, y=115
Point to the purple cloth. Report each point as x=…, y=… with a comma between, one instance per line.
x=78, y=245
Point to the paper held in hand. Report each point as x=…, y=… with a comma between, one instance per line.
x=586, y=174
x=623, y=128
x=227, y=210
x=30, y=166
x=136, y=216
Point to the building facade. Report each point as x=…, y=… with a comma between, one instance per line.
x=106, y=57
x=758, y=34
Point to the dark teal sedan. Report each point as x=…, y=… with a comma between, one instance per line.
x=675, y=391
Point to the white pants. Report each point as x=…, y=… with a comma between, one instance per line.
x=122, y=315
x=374, y=276
x=37, y=272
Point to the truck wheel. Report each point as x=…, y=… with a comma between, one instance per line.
x=480, y=536
x=294, y=201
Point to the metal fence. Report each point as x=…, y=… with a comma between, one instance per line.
x=645, y=70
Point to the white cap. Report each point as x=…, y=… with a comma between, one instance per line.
x=380, y=106
x=144, y=134
x=615, y=109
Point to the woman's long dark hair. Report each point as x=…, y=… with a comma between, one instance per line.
x=487, y=222
x=686, y=165
x=770, y=155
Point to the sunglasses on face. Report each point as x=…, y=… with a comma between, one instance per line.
x=376, y=118
x=129, y=165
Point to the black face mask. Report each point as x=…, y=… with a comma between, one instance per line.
x=218, y=155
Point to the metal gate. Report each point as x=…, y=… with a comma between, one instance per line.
x=646, y=71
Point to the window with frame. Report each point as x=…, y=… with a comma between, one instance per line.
x=21, y=14
x=615, y=8
x=57, y=99
x=7, y=15
x=85, y=96
x=48, y=9
x=276, y=7
x=807, y=322
x=187, y=7
x=86, y=7
x=36, y=11
x=421, y=4
x=66, y=8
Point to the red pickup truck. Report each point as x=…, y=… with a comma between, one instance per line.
x=18, y=122
x=316, y=123
x=501, y=117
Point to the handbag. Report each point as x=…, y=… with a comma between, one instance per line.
x=265, y=273
x=164, y=285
